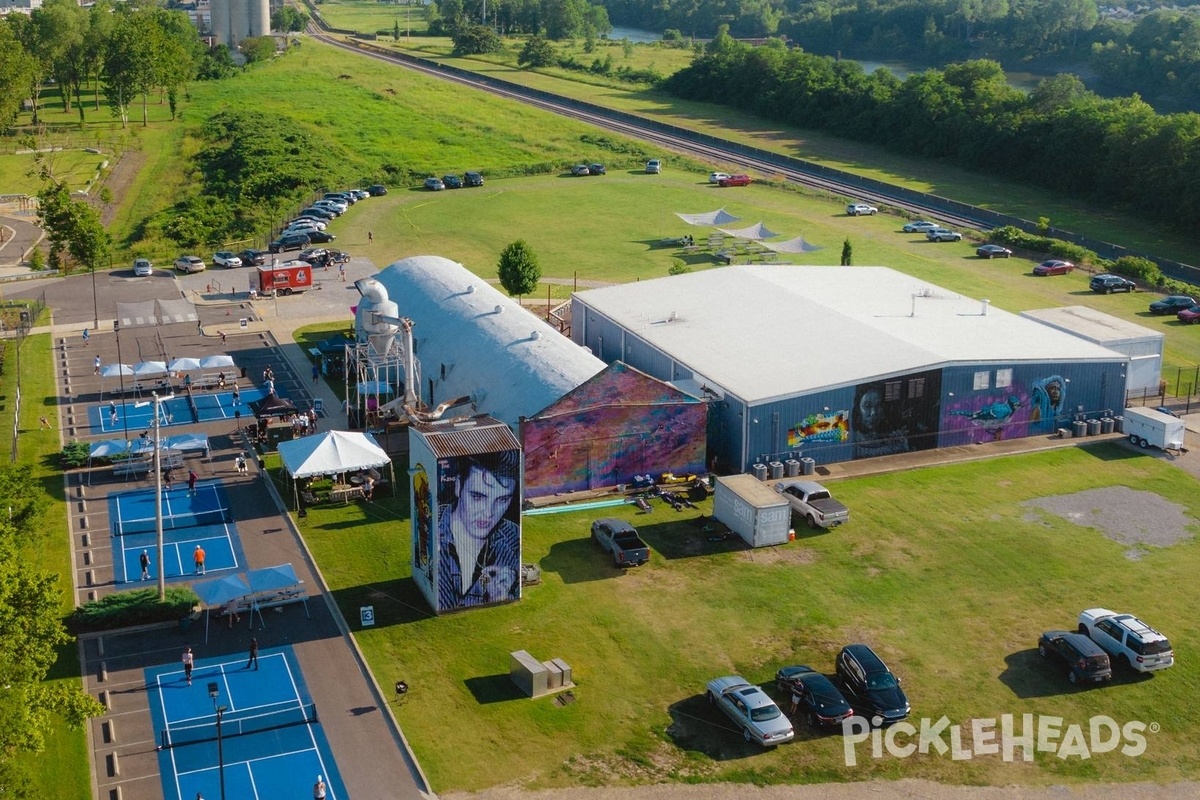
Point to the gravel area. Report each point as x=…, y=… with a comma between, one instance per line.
x=1137, y=519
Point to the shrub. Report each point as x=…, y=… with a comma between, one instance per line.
x=136, y=607
x=74, y=454
x=1142, y=270
x=679, y=268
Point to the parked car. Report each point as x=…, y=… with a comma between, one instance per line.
x=1172, y=304
x=1167, y=411
x=337, y=207
x=377, y=190
x=313, y=255
x=992, y=251
x=717, y=177
x=254, y=258
x=473, y=179
x=1054, y=266
x=870, y=687
x=142, y=268
x=817, y=698
x=920, y=226
x=1087, y=662
x=749, y=707
x=290, y=241
x=597, y=169
x=189, y=264
x=943, y=235
x=362, y=194
x=227, y=259
x=1107, y=284
x=320, y=213
x=735, y=180
x=621, y=541
x=452, y=182
x=654, y=166
x=349, y=197
x=580, y=169
x=1189, y=316
x=1127, y=639
x=320, y=237
x=858, y=209
x=320, y=223
x=434, y=184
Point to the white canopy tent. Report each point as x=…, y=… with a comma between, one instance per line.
x=718, y=217
x=797, y=245
x=756, y=232
x=333, y=453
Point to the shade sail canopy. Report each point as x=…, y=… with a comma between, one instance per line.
x=797, y=245
x=219, y=591
x=144, y=369
x=755, y=232
x=718, y=217
x=273, y=406
x=115, y=370
x=108, y=449
x=330, y=453
x=182, y=443
x=216, y=362
x=185, y=364
x=271, y=579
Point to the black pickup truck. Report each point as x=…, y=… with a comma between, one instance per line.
x=620, y=539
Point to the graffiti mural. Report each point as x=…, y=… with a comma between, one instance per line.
x=896, y=416
x=823, y=428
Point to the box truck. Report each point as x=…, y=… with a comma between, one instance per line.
x=285, y=278
x=1146, y=427
x=752, y=510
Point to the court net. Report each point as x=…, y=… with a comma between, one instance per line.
x=238, y=726
x=192, y=406
x=193, y=519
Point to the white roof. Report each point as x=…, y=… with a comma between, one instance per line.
x=477, y=342
x=1093, y=325
x=330, y=453
x=764, y=332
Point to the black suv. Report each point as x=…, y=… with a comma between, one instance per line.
x=290, y=241
x=1089, y=663
x=1107, y=284
x=377, y=190
x=253, y=258
x=472, y=179
x=870, y=687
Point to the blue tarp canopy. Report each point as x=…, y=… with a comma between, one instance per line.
x=219, y=591
x=272, y=579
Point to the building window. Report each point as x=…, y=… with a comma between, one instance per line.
x=916, y=388
x=981, y=380
x=1003, y=378
x=892, y=391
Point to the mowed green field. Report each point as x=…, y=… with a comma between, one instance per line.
x=943, y=570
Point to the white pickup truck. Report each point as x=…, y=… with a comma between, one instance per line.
x=813, y=502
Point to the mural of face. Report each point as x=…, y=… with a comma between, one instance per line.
x=482, y=500
x=870, y=410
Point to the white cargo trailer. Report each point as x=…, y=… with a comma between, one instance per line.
x=1146, y=427
x=752, y=510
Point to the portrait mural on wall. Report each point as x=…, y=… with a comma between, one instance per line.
x=478, y=529
x=896, y=416
x=423, y=528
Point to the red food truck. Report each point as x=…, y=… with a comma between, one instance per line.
x=285, y=278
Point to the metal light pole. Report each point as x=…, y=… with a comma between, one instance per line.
x=95, y=302
x=214, y=691
x=158, y=515
x=121, y=376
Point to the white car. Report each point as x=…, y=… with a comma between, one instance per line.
x=859, y=209
x=189, y=264
x=311, y=222
x=654, y=166
x=1128, y=640
x=336, y=208
x=717, y=177
x=227, y=259
x=142, y=268
x=920, y=226
x=756, y=714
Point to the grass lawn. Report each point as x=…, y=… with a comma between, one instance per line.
x=65, y=748
x=952, y=594
x=369, y=16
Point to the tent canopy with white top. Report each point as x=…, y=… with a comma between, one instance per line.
x=333, y=453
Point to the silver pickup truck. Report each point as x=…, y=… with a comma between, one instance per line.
x=813, y=502
x=620, y=539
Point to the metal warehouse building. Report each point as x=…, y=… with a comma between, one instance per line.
x=840, y=363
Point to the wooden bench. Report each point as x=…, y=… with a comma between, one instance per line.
x=132, y=467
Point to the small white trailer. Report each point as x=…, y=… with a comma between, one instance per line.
x=1146, y=427
x=752, y=510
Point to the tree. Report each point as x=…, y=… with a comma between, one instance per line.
x=396, y=30
x=470, y=39
x=537, y=52
x=72, y=225
x=847, y=253
x=289, y=20
x=257, y=49
x=518, y=269
x=16, y=73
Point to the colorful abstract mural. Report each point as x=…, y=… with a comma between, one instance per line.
x=619, y=424
x=823, y=428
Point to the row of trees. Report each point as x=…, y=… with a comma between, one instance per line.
x=1156, y=54
x=1060, y=136
x=556, y=19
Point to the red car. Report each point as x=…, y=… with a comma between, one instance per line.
x=1190, y=316
x=735, y=180
x=1053, y=267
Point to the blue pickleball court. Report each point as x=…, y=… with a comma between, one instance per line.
x=272, y=744
x=188, y=520
x=180, y=409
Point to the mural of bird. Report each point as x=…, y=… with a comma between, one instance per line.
x=993, y=412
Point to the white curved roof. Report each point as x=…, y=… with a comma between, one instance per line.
x=471, y=339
